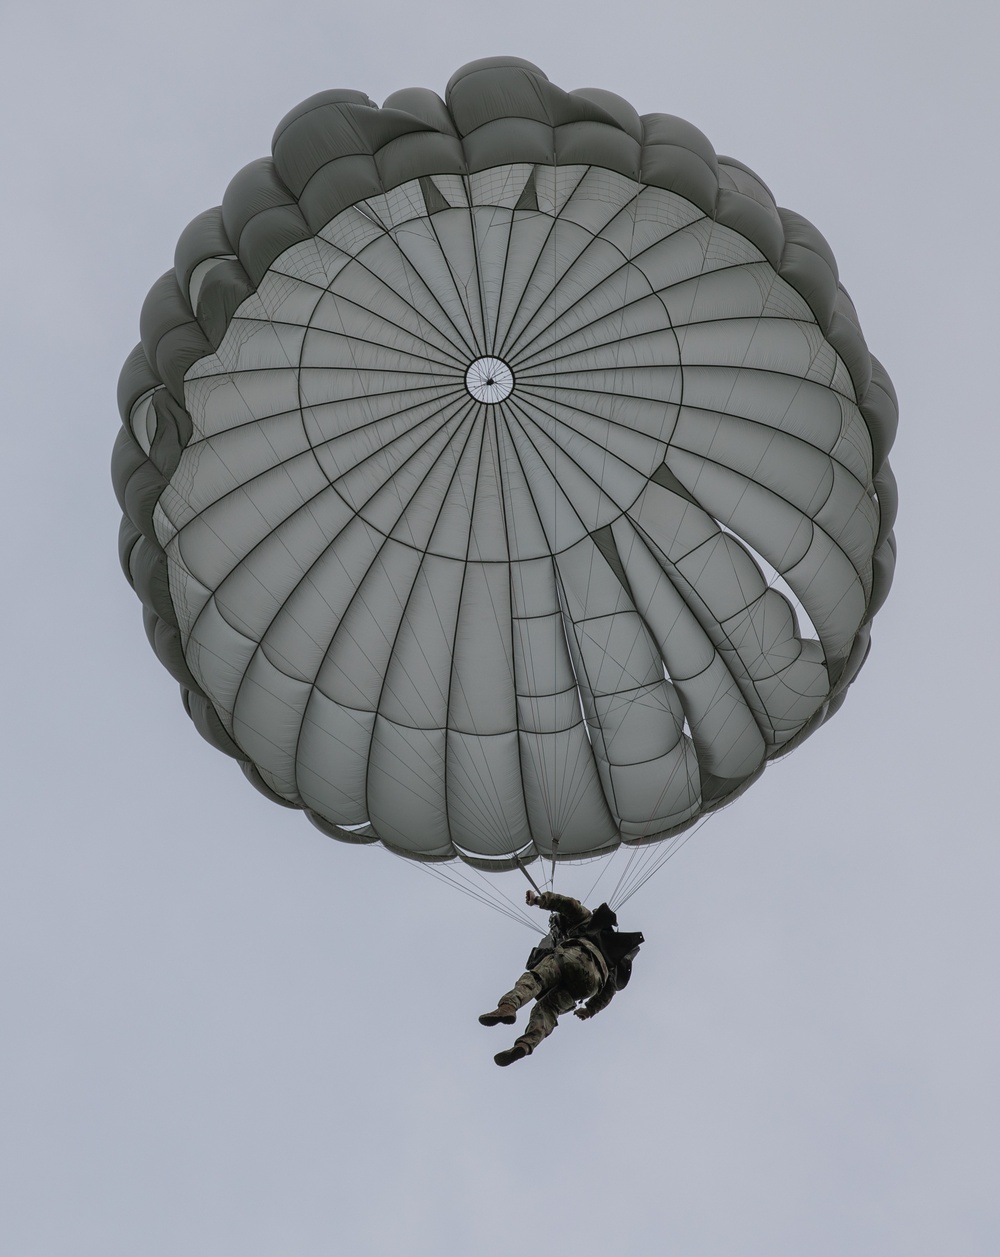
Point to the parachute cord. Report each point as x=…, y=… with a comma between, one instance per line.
x=552, y=873
x=454, y=879
x=616, y=901
x=489, y=892
x=597, y=880
x=638, y=860
x=638, y=868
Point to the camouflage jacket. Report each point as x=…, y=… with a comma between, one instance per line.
x=573, y=913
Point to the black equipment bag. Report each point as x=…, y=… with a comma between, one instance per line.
x=618, y=950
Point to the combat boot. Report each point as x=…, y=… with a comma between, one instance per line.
x=504, y=1014
x=512, y=1054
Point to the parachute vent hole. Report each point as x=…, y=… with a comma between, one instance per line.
x=685, y=727
x=142, y=421
x=200, y=273
x=776, y=581
x=489, y=380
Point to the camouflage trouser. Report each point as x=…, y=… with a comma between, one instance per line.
x=556, y=983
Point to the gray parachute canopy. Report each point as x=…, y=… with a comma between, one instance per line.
x=505, y=473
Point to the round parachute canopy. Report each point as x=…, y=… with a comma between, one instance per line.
x=504, y=475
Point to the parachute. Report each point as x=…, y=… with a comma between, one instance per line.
x=504, y=476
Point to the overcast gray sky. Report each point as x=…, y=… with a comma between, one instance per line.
x=227, y=1034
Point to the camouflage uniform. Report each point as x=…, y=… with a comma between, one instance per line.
x=575, y=971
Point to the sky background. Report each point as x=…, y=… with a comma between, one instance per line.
x=226, y=1034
